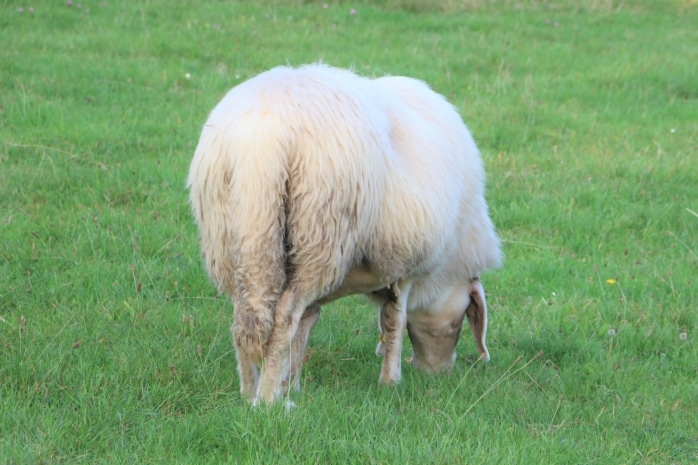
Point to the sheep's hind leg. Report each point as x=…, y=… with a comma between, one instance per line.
x=248, y=349
x=393, y=319
x=247, y=370
x=310, y=317
x=277, y=361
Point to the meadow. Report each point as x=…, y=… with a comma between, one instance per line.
x=115, y=347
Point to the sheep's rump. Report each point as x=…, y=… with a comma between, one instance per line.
x=303, y=175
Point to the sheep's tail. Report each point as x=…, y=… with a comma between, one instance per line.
x=238, y=183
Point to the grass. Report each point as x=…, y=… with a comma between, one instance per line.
x=114, y=347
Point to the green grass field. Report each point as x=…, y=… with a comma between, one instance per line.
x=115, y=347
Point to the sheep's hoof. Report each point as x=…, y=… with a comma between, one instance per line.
x=289, y=405
x=380, y=349
x=388, y=381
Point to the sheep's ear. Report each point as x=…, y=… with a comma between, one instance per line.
x=477, y=317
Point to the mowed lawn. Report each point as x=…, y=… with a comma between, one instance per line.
x=115, y=347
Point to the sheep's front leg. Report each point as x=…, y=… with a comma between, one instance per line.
x=393, y=319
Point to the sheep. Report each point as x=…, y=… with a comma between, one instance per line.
x=310, y=184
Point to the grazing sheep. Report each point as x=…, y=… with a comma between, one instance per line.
x=311, y=184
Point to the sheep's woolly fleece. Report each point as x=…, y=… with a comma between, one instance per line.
x=313, y=183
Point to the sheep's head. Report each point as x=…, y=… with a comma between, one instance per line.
x=434, y=332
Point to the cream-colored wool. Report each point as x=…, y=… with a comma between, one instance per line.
x=313, y=183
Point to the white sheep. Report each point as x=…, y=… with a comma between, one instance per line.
x=313, y=183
